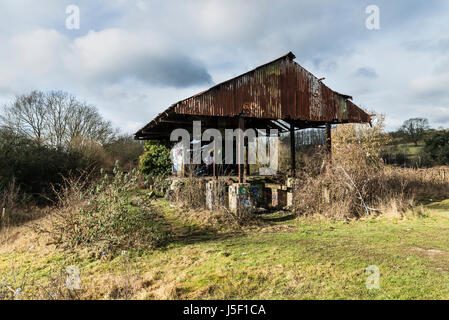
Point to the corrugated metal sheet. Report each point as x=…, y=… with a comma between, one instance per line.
x=280, y=89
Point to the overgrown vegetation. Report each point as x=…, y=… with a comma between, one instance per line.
x=105, y=216
x=358, y=183
x=436, y=149
x=15, y=208
x=45, y=136
x=286, y=259
x=110, y=222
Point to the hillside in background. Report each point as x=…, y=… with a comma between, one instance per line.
x=405, y=153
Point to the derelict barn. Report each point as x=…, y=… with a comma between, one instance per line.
x=278, y=95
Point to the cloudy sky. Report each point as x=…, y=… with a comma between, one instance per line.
x=133, y=58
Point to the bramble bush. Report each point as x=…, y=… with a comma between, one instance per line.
x=106, y=215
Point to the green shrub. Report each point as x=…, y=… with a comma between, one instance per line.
x=107, y=216
x=156, y=160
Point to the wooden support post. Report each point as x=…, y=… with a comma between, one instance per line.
x=240, y=145
x=292, y=149
x=247, y=168
x=329, y=142
x=183, y=167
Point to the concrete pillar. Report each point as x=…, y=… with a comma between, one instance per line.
x=240, y=197
x=290, y=182
x=257, y=194
x=289, y=199
x=278, y=198
x=215, y=195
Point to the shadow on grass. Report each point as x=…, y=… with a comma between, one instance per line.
x=204, y=235
x=183, y=230
x=287, y=216
x=190, y=234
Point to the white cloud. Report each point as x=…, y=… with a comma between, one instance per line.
x=133, y=58
x=430, y=85
x=33, y=55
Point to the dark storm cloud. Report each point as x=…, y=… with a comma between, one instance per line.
x=177, y=71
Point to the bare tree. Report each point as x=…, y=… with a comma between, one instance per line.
x=56, y=118
x=57, y=105
x=413, y=129
x=85, y=121
x=27, y=116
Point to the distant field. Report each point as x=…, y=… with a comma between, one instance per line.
x=407, y=149
x=282, y=258
x=410, y=149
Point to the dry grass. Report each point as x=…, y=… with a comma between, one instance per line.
x=13, y=208
x=340, y=194
x=216, y=255
x=357, y=183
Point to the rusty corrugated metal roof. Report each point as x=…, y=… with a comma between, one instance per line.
x=280, y=89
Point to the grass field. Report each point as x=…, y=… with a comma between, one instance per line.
x=408, y=149
x=281, y=258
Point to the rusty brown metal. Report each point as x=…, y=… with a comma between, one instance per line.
x=280, y=89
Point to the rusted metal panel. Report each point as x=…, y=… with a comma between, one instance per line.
x=280, y=89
